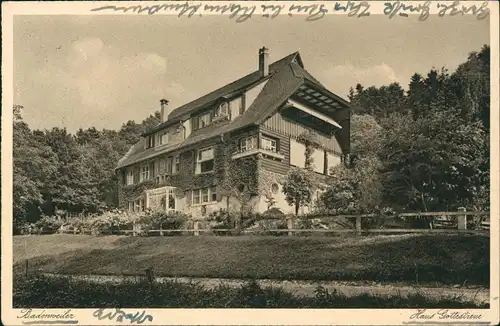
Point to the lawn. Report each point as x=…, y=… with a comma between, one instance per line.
x=443, y=259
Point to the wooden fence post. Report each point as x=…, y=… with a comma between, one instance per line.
x=150, y=275
x=289, y=225
x=161, y=229
x=134, y=229
x=462, y=219
x=358, y=225
x=196, y=227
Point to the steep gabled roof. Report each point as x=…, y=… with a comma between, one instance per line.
x=285, y=77
x=234, y=87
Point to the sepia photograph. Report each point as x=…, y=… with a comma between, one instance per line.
x=279, y=161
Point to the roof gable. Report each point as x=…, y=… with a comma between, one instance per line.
x=240, y=84
x=285, y=77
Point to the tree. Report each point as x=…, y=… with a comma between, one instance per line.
x=378, y=102
x=298, y=188
x=432, y=162
x=357, y=188
x=34, y=168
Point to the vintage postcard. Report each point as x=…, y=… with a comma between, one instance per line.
x=250, y=163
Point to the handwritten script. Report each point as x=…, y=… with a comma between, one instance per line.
x=119, y=315
x=28, y=316
x=422, y=314
x=316, y=11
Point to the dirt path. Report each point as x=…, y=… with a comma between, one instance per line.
x=306, y=288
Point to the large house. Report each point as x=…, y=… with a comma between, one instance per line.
x=232, y=148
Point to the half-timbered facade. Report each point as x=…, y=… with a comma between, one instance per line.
x=232, y=148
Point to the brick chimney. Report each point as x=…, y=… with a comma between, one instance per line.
x=264, y=61
x=164, y=110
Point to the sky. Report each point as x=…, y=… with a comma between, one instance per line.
x=83, y=71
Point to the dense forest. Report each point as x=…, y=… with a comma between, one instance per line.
x=422, y=149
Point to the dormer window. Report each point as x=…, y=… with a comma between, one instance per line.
x=222, y=111
x=163, y=138
x=150, y=141
x=201, y=121
x=204, y=120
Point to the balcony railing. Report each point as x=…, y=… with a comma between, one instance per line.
x=264, y=152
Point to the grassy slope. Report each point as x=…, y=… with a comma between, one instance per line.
x=443, y=258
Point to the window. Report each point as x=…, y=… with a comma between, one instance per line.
x=268, y=144
x=177, y=164
x=204, y=195
x=194, y=123
x=130, y=206
x=196, y=197
x=202, y=121
x=248, y=143
x=332, y=161
x=163, y=138
x=130, y=177
x=171, y=200
x=139, y=205
x=144, y=173
x=169, y=165
x=318, y=157
x=161, y=165
x=213, y=193
x=150, y=141
x=205, y=160
x=297, y=153
x=222, y=110
x=236, y=107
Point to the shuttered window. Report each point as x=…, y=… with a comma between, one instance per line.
x=318, y=157
x=333, y=160
x=297, y=153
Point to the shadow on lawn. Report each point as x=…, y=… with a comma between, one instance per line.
x=42, y=292
x=443, y=259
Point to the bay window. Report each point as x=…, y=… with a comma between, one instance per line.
x=248, y=143
x=268, y=144
x=170, y=200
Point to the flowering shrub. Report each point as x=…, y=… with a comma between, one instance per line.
x=263, y=226
x=110, y=222
x=157, y=219
x=222, y=220
x=307, y=223
x=48, y=224
x=27, y=228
